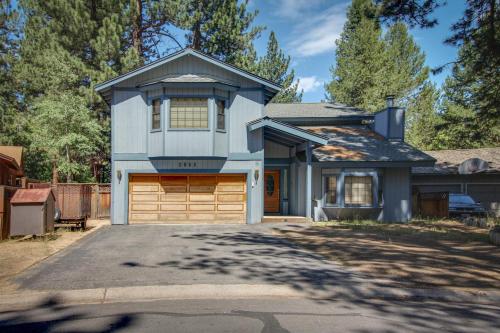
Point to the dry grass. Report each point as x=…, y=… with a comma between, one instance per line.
x=419, y=254
x=17, y=255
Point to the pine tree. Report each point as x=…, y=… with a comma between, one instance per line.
x=221, y=28
x=422, y=118
x=8, y=56
x=360, y=59
x=274, y=67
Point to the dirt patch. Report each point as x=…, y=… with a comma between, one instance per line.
x=17, y=255
x=420, y=254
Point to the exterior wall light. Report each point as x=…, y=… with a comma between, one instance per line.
x=119, y=176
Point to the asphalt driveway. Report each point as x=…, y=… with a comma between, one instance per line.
x=146, y=255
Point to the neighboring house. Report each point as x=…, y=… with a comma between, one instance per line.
x=195, y=140
x=11, y=165
x=472, y=171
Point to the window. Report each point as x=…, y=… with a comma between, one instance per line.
x=189, y=113
x=156, y=114
x=221, y=115
x=358, y=190
x=331, y=190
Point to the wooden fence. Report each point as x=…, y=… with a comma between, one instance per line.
x=6, y=193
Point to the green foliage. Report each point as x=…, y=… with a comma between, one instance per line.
x=66, y=131
x=274, y=67
x=370, y=66
x=221, y=28
x=422, y=119
x=8, y=51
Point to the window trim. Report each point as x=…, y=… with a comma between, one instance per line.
x=375, y=186
x=341, y=174
x=337, y=196
x=150, y=114
x=217, y=99
x=207, y=98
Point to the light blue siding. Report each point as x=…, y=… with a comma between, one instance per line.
x=129, y=125
x=397, y=195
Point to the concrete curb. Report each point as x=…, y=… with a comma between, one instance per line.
x=235, y=291
x=146, y=293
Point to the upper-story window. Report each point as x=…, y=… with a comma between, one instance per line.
x=156, y=114
x=188, y=113
x=221, y=114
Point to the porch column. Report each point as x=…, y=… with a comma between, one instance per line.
x=308, y=179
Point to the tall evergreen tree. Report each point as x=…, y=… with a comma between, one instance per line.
x=422, y=119
x=221, y=28
x=359, y=69
x=274, y=67
x=370, y=66
x=8, y=56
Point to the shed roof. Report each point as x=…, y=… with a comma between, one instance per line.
x=361, y=144
x=316, y=110
x=449, y=160
x=24, y=195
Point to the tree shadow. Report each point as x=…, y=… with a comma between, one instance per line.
x=52, y=316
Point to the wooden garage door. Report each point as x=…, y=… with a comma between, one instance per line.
x=199, y=198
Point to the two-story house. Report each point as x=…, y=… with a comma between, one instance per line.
x=195, y=140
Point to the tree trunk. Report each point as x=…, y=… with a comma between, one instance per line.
x=136, y=6
x=54, y=173
x=196, y=44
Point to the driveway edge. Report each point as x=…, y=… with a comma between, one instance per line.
x=235, y=291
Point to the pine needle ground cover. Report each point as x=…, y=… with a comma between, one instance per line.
x=421, y=254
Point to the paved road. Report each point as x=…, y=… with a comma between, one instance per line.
x=254, y=315
x=117, y=256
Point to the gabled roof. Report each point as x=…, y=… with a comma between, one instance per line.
x=449, y=160
x=185, y=52
x=285, y=133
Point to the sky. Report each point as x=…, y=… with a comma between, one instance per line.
x=307, y=30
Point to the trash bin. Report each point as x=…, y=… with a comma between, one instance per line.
x=32, y=212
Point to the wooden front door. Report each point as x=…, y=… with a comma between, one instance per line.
x=271, y=191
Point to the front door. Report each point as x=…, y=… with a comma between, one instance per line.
x=271, y=191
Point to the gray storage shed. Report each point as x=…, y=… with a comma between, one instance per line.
x=32, y=212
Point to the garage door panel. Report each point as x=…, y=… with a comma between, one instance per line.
x=144, y=207
x=174, y=197
x=174, y=180
x=153, y=179
x=202, y=197
x=231, y=188
x=202, y=217
x=230, y=207
x=173, y=207
x=201, y=207
x=174, y=188
x=187, y=198
x=144, y=197
x=231, y=197
x=144, y=216
x=202, y=188
x=230, y=217
x=203, y=180
x=144, y=188
x=173, y=217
